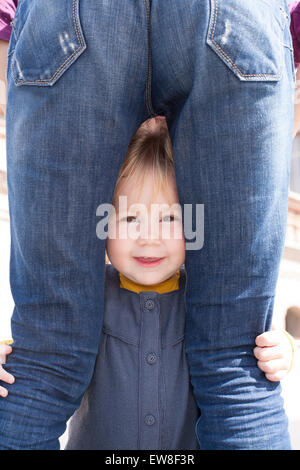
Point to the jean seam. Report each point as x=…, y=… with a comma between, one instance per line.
x=149, y=61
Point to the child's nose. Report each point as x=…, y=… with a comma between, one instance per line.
x=149, y=238
x=142, y=240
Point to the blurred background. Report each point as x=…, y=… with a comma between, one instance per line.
x=287, y=300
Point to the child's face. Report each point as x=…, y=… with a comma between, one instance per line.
x=167, y=245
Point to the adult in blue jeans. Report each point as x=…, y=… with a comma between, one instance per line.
x=82, y=76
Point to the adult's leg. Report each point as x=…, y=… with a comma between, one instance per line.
x=223, y=76
x=69, y=123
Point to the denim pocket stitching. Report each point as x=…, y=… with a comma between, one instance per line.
x=79, y=48
x=211, y=35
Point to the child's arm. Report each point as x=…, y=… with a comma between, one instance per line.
x=5, y=376
x=275, y=353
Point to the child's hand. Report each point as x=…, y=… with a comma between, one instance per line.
x=5, y=376
x=275, y=354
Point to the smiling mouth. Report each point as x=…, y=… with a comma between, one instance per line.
x=148, y=261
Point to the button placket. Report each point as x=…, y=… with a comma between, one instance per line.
x=149, y=370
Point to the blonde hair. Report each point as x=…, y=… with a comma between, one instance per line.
x=149, y=150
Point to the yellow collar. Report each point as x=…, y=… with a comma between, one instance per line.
x=165, y=286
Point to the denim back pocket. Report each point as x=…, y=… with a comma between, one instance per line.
x=46, y=40
x=248, y=36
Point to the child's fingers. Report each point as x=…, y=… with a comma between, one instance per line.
x=6, y=377
x=3, y=392
x=270, y=353
x=269, y=338
x=5, y=349
x=276, y=377
x=273, y=367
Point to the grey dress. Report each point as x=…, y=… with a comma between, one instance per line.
x=140, y=396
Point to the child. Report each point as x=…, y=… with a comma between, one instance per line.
x=140, y=396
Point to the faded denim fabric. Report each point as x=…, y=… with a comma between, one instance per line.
x=140, y=396
x=82, y=76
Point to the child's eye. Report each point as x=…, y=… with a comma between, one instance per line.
x=169, y=218
x=130, y=218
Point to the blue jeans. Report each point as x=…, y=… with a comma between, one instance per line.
x=82, y=76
